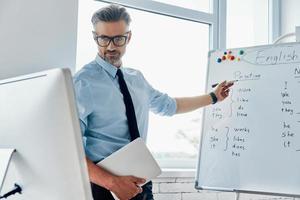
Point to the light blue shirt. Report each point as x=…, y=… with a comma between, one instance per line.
x=102, y=111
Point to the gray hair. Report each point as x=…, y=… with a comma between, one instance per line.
x=111, y=13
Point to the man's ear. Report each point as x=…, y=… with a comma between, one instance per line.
x=129, y=37
x=94, y=36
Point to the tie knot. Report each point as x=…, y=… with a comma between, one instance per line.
x=119, y=73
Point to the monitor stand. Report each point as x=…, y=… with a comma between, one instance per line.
x=5, y=158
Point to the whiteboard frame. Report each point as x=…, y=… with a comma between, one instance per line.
x=197, y=186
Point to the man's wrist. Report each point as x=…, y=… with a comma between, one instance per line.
x=108, y=182
x=213, y=97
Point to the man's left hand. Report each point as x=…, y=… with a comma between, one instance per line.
x=223, y=89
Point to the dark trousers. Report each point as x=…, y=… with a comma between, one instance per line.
x=100, y=193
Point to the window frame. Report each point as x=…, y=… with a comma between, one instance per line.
x=274, y=20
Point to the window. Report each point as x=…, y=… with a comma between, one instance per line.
x=172, y=54
x=86, y=47
x=247, y=23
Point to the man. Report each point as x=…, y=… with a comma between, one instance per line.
x=114, y=103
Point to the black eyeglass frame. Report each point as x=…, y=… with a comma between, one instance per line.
x=125, y=35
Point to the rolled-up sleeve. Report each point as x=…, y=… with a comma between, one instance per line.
x=84, y=102
x=160, y=103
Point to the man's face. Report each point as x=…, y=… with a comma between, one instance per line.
x=106, y=30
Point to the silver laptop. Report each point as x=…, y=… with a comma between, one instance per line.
x=133, y=159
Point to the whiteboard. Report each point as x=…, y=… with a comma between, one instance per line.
x=250, y=142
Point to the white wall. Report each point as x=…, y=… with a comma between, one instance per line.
x=182, y=188
x=290, y=16
x=36, y=35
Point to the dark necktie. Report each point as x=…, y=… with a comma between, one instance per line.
x=131, y=118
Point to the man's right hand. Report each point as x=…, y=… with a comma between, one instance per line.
x=126, y=187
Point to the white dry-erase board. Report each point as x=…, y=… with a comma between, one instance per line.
x=251, y=141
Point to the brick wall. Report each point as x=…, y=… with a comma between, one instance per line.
x=183, y=189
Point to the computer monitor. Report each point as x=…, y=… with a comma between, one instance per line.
x=38, y=118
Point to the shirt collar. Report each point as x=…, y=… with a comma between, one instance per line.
x=111, y=69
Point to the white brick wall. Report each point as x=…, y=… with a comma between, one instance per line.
x=183, y=189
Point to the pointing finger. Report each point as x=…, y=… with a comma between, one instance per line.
x=223, y=84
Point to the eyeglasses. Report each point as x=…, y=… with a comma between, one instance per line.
x=104, y=41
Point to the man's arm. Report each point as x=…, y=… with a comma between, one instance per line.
x=98, y=175
x=124, y=187
x=187, y=104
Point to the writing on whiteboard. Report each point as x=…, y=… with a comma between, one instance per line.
x=273, y=56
